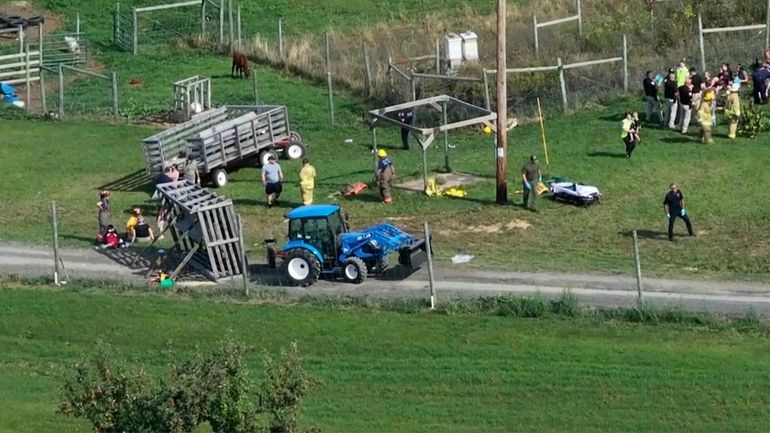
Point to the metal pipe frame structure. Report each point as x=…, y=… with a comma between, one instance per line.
x=482, y=116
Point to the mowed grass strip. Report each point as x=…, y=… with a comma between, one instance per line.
x=405, y=372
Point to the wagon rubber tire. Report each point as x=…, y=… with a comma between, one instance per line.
x=354, y=270
x=219, y=178
x=264, y=155
x=302, y=267
x=294, y=150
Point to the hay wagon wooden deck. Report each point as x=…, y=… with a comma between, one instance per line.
x=224, y=139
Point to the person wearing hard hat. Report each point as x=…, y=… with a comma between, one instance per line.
x=384, y=177
x=733, y=108
x=704, y=116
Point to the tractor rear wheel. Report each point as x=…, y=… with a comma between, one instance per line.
x=354, y=270
x=302, y=267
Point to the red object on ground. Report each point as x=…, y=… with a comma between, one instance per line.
x=354, y=189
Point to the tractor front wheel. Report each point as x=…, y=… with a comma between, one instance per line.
x=302, y=267
x=354, y=270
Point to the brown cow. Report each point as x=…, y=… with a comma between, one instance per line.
x=240, y=65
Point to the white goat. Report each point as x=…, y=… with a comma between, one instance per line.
x=72, y=44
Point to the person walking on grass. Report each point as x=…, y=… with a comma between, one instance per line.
x=672, y=100
x=530, y=177
x=733, y=109
x=307, y=182
x=651, y=96
x=272, y=176
x=629, y=135
x=673, y=206
x=384, y=176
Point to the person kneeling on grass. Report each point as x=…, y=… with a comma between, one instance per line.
x=137, y=229
x=110, y=240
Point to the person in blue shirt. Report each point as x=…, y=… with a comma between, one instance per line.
x=385, y=174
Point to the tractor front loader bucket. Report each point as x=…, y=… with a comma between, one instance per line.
x=414, y=255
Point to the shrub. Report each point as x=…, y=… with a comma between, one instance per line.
x=753, y=121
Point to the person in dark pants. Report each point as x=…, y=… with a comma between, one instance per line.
x=629, y=135
x=651, y=96
x=530, y=176
x=405, y=116
x=673, y=205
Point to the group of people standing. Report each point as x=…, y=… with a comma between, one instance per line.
x=685, y=90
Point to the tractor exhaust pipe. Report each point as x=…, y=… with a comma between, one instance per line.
x=414, y=255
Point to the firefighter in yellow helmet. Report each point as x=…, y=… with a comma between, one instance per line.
x=704, y=117
x=384, y=177
x=733, y=108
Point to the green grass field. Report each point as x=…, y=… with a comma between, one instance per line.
x=405, y=372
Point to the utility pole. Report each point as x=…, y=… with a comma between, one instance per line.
x=502, y=106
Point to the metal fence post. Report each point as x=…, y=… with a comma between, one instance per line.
x=44, y=105
x=487, y=102
x=77, y=25
x=562, y=84
x=114, y=87
x=638, y=266
x=135, y=30
x=700, y=41
x=244, y=265
x=238, y=19
x=625, y=63
x=254, y=85
x=537, y=44
x=438, y=57
x=429, y=251
x=767, y=27
x=230, y=24
x=329, y=78
x=116, y=24
x=447, y=167
x=55, y=234
x=61, y=92
x=280, y=37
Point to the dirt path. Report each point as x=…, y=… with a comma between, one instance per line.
x=596, y=290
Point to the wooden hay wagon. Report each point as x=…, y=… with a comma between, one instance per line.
x=204, y=228
x=224, y=139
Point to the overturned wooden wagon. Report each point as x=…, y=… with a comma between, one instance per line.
x=205, y=229
x=224, y=139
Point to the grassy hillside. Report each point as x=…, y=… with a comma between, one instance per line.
x=394, y=372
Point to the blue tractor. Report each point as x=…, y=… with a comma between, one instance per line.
x=320, y=244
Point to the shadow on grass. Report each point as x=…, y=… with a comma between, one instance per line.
x=606, y=154
x=678, y=140
x=612, y=117
x=646, y=234
x=326, y=179
x=138, y=181
x=282, y=204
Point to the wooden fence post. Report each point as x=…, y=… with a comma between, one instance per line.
x=562, y=84
x=438, y=57
x=42, y=91
x=244, y=265
x=27, y=80
x=61, y=92
x=221, y=22
x=537, y=43
x=447, y=167
x=329, y=78
x=625, y=63
x=77, y=25
x=254, y=86
x=580, y=19
x=20, y=32
x=700, y=41
x=412, y=85
x=368, y=72
x=767, y=28
x=114, y=82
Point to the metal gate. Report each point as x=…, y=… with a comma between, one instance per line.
x=123, y=29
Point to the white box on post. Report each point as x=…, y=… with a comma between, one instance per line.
x=470, y=46
x=453, y=50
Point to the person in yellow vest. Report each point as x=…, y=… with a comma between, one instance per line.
x=733, y=109
x=628, y=135
x=704, y=117
x=307, y=182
